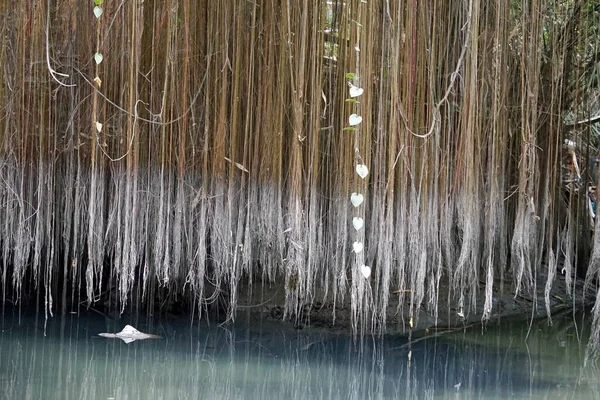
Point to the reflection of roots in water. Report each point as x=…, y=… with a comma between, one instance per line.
x=222, y=362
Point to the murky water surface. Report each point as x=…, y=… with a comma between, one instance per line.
x=261, y=361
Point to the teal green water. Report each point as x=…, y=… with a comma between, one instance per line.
x=259, y=361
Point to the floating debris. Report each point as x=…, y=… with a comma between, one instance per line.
x=129, y=334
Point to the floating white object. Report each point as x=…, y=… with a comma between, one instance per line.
x=366, y=271
x=362, y=170
x=356, y=199
x=357, y=247
x=354, y=119
x=98, y=126
x=97, y=12
x=129, y=334
x=98, y=57
x=356, y=91
x=358, y=223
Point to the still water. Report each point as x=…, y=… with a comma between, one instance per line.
x=261, y=361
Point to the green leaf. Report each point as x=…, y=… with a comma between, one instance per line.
x=350, y=75
x=351, y=101
x=349, y=128
x=98, y=2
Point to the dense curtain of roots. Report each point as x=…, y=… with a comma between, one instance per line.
x=222, y=156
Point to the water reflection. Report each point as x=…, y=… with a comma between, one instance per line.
x=267, y=362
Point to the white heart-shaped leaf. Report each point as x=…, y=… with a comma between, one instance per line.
x=358, y=223
x=356, y=91
x=357, y=247
x=362, y=170
x=97, y=12
x=356, y=199
x=98, y=57
x=366, y=271
x=98, y=126
x=354, y=119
